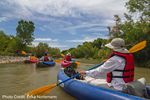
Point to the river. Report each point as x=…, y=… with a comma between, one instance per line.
x=17, y=79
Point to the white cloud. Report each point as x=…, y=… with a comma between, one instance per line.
x=85, y=39
x=65, y=8
x=3, y=19
x=45, y=40
x=75, y=17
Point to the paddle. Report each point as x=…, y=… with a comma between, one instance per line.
x=138, y=47
x=46, y=89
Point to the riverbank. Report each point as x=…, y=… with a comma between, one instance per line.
x=11, y=59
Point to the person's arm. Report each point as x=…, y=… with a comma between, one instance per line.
x=50, y=58
x=110, y=65
x=42, y=58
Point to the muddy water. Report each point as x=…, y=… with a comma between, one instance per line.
x=17, y=79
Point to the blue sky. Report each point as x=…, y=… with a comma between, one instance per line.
x=62, y=23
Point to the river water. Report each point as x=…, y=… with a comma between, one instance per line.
x=17, y=79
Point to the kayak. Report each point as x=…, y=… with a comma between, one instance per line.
x=65, y=64
x=45, y=64
x=84, y=91
x=30, y=61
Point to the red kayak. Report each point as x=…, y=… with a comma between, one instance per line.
x=33, y=61
x=65, y=64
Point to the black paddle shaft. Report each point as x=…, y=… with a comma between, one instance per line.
x=79, y=74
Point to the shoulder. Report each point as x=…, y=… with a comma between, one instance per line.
x=116, y=58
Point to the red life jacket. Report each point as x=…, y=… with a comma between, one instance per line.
x=68, y=58
x=46, y=58
x=127, y=72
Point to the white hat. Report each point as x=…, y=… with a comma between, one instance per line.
x=117, y=44
x=68, y=54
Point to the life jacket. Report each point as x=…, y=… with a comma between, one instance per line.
x=33, y=58
x=127, y=72
x=46, y=58
x=68, y=58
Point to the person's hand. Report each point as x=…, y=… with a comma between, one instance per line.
x=82, y=72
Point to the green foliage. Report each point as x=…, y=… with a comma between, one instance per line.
x=4, y=41
x=12, y=45
x=139, y=6
x=43, y=48
x=24, y=33
x=139, y=29
x=98, y=43
x=88, y=49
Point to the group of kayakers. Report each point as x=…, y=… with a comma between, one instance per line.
x=45, y=58
x=118, y=69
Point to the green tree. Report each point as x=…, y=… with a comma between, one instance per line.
x=139, y=29
x=140, y=7
x=24, y=33
x=98, y=43
x=41, y=49
x=4, y=41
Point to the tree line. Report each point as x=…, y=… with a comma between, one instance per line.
x=133, y=29
x=14, y=45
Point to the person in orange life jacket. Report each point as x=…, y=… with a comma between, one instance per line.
x=119, y=68
x=46, y=58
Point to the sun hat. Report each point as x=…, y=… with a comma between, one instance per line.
x=68, y=54
x=117, y=44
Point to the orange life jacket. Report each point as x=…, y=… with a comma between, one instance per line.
x=127, y=72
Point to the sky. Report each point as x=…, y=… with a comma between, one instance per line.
x=62, y=23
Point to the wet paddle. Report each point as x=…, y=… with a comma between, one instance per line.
x=46, y=89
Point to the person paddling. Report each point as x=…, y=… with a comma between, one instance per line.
x=68, y=57
x=46, y=58
x=70, y=70
x=119, y=68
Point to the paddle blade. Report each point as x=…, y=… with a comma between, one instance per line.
x=138, y=47
x=58, y=61
x=62, y=55
x=78, y=63
x=42, y=90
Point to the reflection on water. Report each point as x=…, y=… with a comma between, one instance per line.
x=17, y=79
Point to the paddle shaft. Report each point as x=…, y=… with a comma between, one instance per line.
x=78, y=74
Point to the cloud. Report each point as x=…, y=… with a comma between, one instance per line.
x=45, y=40
x=69, y=22
x=62, y=8
x=64, y=15
x=85, y=39
x=2, y=19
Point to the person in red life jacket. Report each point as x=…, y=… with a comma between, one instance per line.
x=70, y=70
x=46, y=58
x=118, y=69
x=68, y=57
